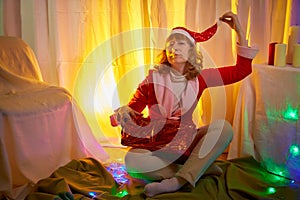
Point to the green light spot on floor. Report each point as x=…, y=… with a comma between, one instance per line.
x=280, y=173
x=122, y=193
x=271, y=190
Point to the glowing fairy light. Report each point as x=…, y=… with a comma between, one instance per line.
x=92, y=194
x=280, y=173
x=293, y=162
x=289, y=167
x=122, y=193
x=291, y=113
x=119, y=173
x=292, y=181
x=271, y=190
x=294, y=150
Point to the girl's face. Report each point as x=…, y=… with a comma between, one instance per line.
x=177, y=49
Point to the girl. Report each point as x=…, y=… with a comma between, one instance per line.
x=176, y=85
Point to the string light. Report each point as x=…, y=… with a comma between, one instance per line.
x=293, y=158
x=119, y=173
x=290, y=168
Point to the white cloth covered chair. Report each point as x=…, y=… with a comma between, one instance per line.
x=39, y=123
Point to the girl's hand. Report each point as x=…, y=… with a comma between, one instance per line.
x=232, y=20
x=124, y=114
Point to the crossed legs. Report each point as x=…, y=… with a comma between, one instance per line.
x=142, y=164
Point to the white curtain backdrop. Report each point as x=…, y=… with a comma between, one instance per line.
x=87, y=46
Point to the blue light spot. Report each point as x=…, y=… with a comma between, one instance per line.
x=119, y=173
x=92, y=194
x=292, y=181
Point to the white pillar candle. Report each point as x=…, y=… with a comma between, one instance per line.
x=280, y=55
x=294, y=38
x=296, y=55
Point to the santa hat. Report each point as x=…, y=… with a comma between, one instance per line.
x=195, y=36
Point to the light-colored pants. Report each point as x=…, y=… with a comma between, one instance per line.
x=141, y=163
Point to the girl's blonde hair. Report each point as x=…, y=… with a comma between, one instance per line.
x=193, y=65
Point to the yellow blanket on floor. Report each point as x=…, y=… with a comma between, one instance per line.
x=242, y=179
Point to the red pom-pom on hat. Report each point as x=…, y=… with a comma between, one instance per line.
x=195, y=36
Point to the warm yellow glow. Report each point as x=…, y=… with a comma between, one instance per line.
x=114, y=63
x=176, y=7
x=248, y=27
x=129, y=71
x=106, y=99
x=109, y=76
x=287, y=22
x=107, y=79
x=234, y=4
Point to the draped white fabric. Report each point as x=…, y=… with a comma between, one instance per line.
x=39, y=129
x=65, y=35
x=268, y=127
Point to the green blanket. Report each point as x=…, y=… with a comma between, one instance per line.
x=243, y=178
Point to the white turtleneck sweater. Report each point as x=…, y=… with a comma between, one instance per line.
x=179, y=84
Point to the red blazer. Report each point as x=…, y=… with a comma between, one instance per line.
x=211, y=77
